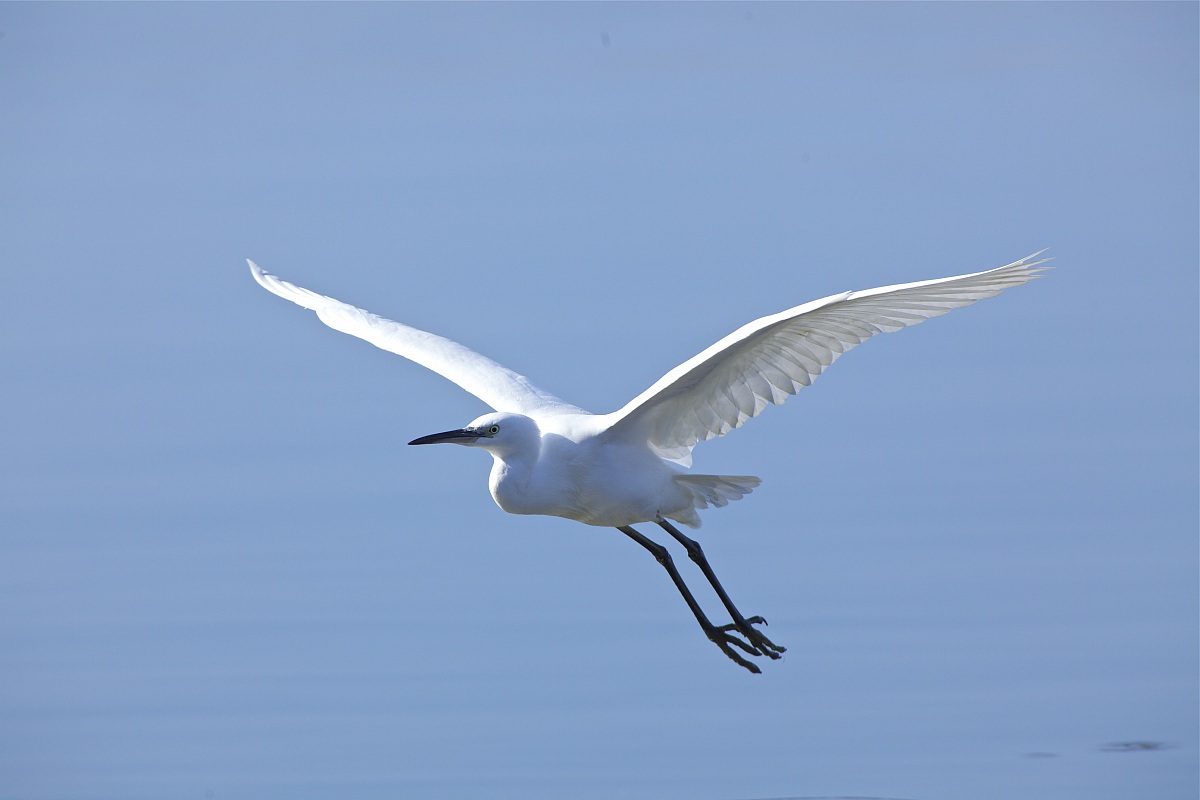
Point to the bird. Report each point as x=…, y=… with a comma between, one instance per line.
x=629, y=466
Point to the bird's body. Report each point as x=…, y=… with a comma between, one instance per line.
x=627, y=467
x=569, y=465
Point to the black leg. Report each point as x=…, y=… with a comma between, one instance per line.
x=720, y=636
x=743, y=625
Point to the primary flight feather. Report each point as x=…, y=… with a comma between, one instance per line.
x=622, y=468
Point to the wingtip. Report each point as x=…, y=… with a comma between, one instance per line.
x=1029, y=263
x=260, y=275
x=1029, y=267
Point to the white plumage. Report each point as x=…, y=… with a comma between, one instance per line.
x=625, y=467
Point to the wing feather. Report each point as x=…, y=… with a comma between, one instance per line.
x=498, y=386
x=772, y=358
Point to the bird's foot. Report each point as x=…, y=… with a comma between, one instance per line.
x=753, y=644
x=760, y=644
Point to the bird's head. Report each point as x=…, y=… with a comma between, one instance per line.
x=500, y=433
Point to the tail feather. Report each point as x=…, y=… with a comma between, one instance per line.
x=713, y=490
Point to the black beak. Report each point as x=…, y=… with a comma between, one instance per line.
x=460, y=436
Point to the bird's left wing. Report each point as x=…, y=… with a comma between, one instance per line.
x=498, y=386
x=774, y=357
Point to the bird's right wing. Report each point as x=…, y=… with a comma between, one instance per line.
x=498, y=386
x=774, y=357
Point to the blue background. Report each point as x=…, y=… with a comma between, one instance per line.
x=223, y=575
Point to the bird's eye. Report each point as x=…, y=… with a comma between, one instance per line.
x=493, y=430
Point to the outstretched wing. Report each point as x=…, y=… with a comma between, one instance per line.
x=774, y=357
x=499, y=387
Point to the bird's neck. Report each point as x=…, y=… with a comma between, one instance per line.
x=510, y=481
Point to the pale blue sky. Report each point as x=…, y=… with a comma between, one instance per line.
x=222, y=574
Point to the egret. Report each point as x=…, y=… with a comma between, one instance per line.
x=627, y=467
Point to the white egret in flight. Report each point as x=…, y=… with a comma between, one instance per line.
x=627, y=467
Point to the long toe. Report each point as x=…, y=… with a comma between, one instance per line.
x=724, y=643
x=768, y=647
